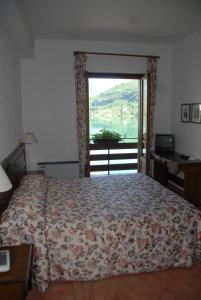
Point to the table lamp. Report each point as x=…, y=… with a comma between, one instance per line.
x=5, y=184
x=29, y=138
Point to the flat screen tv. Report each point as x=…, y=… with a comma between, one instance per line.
x=164, y=143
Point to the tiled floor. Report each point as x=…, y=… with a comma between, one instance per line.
x=172, y=284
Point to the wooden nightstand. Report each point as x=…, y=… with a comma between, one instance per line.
x=40, y=172
x=15, y=283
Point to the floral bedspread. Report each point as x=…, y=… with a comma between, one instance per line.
x=84, y=229
x=23, y=222
x=117, y=225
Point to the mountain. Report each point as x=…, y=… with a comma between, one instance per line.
x=127, y=92
x=116, y=109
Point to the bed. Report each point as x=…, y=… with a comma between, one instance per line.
x=92, y=228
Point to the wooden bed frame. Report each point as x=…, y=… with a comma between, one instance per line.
x=15, y=167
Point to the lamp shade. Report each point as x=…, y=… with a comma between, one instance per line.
x=29, y=138
x=5, y=184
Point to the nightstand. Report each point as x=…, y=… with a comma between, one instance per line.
x=40, y=172
x=15, y=283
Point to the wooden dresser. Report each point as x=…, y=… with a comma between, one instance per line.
x=168, y=167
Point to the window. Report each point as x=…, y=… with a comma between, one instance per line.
x=113, y=105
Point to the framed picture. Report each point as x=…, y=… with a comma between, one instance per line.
x=196, y=113
x=185, y=113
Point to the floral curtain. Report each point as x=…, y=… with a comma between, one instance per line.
x=80, y=90
x=152, y=71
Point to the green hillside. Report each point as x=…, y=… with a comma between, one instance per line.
x=116, y=109
x=125, y=92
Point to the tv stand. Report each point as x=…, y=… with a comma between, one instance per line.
x=167, y=167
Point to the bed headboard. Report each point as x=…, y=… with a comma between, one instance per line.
x=15, y=167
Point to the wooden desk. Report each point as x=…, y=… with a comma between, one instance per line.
x=190, y=185
x=15, y=283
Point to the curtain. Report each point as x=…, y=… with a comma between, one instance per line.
x=80, y=90
x=152, y=71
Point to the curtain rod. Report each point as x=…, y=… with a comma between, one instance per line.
x=117, y=54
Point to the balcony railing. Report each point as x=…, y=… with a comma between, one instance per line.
x=107, y=157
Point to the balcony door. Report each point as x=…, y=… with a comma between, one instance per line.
x=144, y=126
x=113, y=104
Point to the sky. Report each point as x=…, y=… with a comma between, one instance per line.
x=99, y=85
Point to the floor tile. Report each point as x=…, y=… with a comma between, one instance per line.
x=168, y=295
x=171, y=284
x=83, y=290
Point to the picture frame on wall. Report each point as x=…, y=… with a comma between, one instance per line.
x=196, y=113
x=185, y=112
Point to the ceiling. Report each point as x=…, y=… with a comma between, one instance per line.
x=155, y=21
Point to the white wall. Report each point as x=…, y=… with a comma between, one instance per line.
x=187, y=89
x=48, y=91
x=15, y=41
x=10, y=98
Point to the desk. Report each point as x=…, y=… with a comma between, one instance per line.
x=190, y=185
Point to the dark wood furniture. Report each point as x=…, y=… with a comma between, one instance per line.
x=166, y=169
x=37, y=172
x=15, y=283
x=15, y=167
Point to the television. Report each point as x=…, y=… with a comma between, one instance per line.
x=164, y=143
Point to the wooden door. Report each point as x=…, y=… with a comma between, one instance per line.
x=144, y=127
